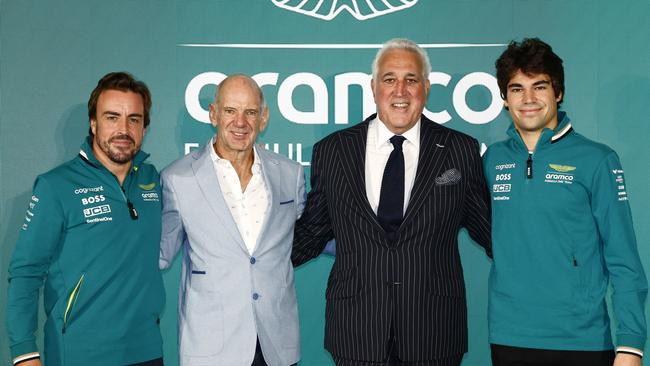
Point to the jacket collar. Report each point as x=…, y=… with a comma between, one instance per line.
x=548, y=136
x=86, y=153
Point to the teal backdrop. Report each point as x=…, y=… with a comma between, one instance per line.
x=313, y=65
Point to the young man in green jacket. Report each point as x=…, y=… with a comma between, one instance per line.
x=562, y=230
x=91, y=240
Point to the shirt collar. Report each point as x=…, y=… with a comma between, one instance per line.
x=256, y=168
x=383, y=134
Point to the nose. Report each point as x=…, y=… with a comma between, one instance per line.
x=240, y=119
x=529, y=96
x=400, y=87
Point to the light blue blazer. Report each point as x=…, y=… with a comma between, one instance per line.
x=227, y=297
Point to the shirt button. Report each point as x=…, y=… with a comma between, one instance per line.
x=256, y=296
x=253, y=260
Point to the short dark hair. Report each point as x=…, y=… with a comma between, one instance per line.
x=531, y=56
x=122, y=81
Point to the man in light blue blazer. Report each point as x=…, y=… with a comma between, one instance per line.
x=231, y=208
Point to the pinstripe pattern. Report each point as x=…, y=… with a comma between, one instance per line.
x=427, y=305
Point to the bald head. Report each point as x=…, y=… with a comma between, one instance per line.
x=239, y=81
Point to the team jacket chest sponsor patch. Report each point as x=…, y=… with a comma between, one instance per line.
x=502, y=181
x=559, y=174
x=148, y=193
x=94, y=204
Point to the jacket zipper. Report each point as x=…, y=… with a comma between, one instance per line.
x=72, y=300
x=529, y=166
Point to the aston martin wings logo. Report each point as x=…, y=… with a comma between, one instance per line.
x=562, y=168
x=147, y=187
x=329, y=9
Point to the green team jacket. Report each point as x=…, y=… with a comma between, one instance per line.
x=103, y=291
x=562, y=229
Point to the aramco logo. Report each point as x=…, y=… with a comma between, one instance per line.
x=329, y=9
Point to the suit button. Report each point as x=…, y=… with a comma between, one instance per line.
x=256, y=296
x=253, y=260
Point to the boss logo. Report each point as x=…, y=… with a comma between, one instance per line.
x=505, y=176
x=93, y=199
x=500, y=188
x=97, y=210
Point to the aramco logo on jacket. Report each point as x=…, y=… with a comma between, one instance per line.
x=329, y=9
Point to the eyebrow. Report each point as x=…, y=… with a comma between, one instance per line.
x=537, y=83
x=392, y=73
x=117, y=114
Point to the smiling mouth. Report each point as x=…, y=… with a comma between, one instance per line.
x=400, y=105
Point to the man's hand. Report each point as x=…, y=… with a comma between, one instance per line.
x=35, y=362
x=626, y=359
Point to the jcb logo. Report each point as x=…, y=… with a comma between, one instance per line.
x=500, y=188
x=97, y=210
x=93, y=199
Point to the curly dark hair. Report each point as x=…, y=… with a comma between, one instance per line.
x=531, y=56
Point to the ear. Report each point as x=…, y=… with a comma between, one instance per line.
x=265, y=119
x=213, y=114
x=372, y=87
x=93, y=126
x=559, y=97
x=427, y=86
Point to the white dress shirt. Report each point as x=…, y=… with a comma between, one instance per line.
x=378, y=149
x=248, y=208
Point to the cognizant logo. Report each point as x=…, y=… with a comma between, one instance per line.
x=330, y=9
x=319, y=112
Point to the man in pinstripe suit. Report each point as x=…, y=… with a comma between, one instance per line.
x=396, y=294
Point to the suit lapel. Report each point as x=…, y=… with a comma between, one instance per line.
x=353, y=159
x=207, y=180
x=433, y=152
x=272, y=180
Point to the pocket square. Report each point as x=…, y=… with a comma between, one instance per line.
x=449, y=177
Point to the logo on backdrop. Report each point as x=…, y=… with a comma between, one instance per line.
x=330, y=9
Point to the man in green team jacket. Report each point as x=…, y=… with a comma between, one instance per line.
x=561, y=230
x=91, y=238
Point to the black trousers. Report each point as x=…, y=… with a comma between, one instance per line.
x=156, y=362
x=393, y=359
x=258, y=360
x=517, y=356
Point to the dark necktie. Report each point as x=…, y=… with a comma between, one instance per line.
x=391, y=198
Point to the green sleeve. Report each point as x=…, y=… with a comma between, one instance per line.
x=37, y=242
x=611, y=210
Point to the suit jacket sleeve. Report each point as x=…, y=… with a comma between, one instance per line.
x=477, y=216
x=314, y=229
x=173, y=232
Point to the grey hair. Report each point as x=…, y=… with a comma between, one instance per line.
x=253, y=83
x=402, y=44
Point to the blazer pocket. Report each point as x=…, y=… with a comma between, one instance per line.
x=286, y=202
x=342, y=284
x=201, y=324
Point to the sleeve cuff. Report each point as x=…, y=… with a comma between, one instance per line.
x=631, y=341
x=23, y=348
x=26, y=357
x=629, y=350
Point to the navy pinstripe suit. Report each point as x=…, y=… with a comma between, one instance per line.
x=414, y=285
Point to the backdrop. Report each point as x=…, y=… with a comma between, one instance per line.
x=313, y=59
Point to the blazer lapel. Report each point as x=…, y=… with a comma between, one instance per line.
x=433, y=153
x=353, y=159
x=272, y=180
x=207, y=180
